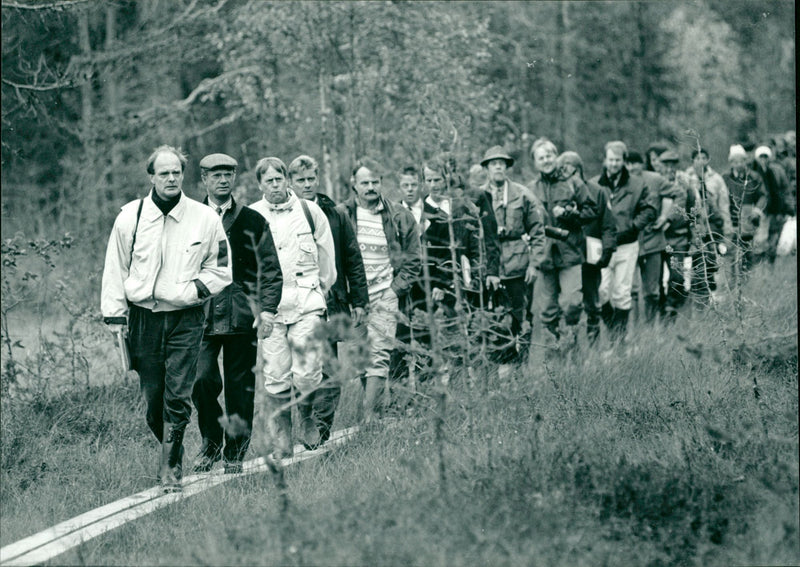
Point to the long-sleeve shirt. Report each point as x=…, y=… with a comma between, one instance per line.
x=307, y=258
x=178, y=259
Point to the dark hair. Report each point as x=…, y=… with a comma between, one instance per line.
x=634, y=157
x=409, y=170
x=438, y=165
x=368, y=163
x=659, y=147
x=699, y=151
x=165, y=149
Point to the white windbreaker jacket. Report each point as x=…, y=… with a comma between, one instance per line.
x=170, y=252
x=307, y=261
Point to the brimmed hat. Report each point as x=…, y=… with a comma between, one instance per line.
x=497, y=152
x=218, y=161
x=763, y=151
x=669, y=157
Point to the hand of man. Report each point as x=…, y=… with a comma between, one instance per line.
x=265, y=322
x=437, y=294
x=358, y=316
x=530, y=275
x=492, y=283
x=558, y=210
x=660, y=222
x=605, y=259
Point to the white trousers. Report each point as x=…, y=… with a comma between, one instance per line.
x=292, y=357
x=617, y=279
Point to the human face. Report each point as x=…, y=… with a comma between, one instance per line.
x=656, y=163
x=544, y=159
x=763, y=161
x=219, y=184
x=699, y=163
x=497, y=170
x=274, y=186
x=409, y=186
x=434, y=183
x=613, y=162
x=168, y=175
x=738, y=163
x=368, y=187
x=635, y=168
x=305, y=183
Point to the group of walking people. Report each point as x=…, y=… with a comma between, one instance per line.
x=273, y=287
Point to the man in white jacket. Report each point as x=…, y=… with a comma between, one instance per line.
x=291, y=354
x=166, y=255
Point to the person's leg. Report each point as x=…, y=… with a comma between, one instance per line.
x=306, y=374
x=205, y=394
x=516, y=288
x=326, y=399
x=571, y=301
x=650, y=267
x=183, y=334
x=238, y=359
x=605, y=290
x=551, y=312
x=628, y=255
x=277, y=377
x=381, y=331
x=590, y=276
x=146, y=332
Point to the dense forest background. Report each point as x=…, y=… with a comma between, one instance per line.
x=89, y=88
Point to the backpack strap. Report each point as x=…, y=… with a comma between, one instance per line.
x=309, y=218
x=135, y=229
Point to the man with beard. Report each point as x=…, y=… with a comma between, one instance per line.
x=166, y=256
x=348, y=295
x=230, y=322
x=292, y=361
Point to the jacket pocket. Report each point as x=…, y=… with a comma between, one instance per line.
x=242, y=307
x=306, y=250
x=190, y=261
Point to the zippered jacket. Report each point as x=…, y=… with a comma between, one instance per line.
x=176, y=258
x=257, y=277
x=307, y=259
x=402, y=238
x=632, y=203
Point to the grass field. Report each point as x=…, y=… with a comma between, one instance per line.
x=683, y=451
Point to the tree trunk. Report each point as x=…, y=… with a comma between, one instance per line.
x=112, y=98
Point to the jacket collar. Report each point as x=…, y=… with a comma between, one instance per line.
x=151, y=212
x=624, y=176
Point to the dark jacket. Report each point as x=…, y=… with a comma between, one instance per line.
x=776, y=186
x=746, y=194
x=632, y=204
x=604, y=226
x=491, y=244
x=520, y=230
x=436, y=239
x=571, y=194
x=402, y=237
x=679, y=230
x=651, y=240
x=350, y=289
x=252, y=248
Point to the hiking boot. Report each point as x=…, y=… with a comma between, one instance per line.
x=309, y=432
x=171, y=472
x=279, y=423
x=209, y=454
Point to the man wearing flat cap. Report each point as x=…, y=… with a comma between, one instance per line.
x=230, y=325
x=521, y=235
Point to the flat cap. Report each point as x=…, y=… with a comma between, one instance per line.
x=763, y=151
x=669, y=156
x=497, y=152
x=218, y=161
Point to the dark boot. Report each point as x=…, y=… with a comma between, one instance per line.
x=308, y=428
x=171, y=470
x=620, y=326
x=326, y=398
x=651, y=309
x=279, y=423
x=635, y=307
x=209, y=454
x=607, y=314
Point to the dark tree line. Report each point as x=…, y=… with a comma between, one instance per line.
x=90, y=87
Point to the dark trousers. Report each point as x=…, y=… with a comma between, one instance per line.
x=704, y=268
x=651, y=267
x=676, y=295
x=164, y=349
x=591, y=276
x=238, y=360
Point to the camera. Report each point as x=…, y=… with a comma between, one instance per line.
x=556, y=233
